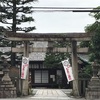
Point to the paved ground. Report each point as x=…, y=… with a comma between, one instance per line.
x=53, y=94
x=48, y=94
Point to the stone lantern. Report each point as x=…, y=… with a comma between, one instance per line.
x=93, y=90
x=7, y=89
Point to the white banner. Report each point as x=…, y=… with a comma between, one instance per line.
x=68, y=70
x=24, y=67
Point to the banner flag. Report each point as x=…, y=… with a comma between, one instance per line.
x=68, y=70
x=24, y=67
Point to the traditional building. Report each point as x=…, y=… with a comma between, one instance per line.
x=40, y=75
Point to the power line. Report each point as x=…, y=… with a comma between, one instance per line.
x=62, y=9
x=85, y=10
x=66, y=9
x=36, y=10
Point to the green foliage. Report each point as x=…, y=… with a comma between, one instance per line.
x=53, y=60
x=95, y=27
x=13, y=13
x=92, y=28
x=94, y=44
x=85, y=44
x=61, y=44
x=95, y=41
x=16, y=12
x=96, y=15
x=86, y=72
x=95, y=53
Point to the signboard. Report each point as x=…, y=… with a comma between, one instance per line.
x=68, y=70
x=24, y=67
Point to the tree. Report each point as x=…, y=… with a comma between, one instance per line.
x=53, y=60
x=13, y=14
x=94, y=43
x=94, y=29
x=95, y=40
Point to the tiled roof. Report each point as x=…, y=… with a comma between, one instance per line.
x=33, y=56
x=37, y=56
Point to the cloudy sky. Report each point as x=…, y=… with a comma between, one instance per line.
x=63, y=21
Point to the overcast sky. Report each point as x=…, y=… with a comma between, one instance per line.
x=63, y=21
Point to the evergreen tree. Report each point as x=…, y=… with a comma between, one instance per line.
x=13, y=13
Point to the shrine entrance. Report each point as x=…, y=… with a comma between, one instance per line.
x=73, y=38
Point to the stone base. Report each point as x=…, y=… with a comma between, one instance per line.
x=7, y=90
x=93, y=90
x=93, y=94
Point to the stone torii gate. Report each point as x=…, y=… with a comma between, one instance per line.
x=72, y=37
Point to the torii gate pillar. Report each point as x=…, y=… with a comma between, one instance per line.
x=25, y=84
x=75, y=69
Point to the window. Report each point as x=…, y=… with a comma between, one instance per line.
x=38, y=76
x=41, y=76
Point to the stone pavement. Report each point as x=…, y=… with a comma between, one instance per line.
x=53, y=94
x=48, y=94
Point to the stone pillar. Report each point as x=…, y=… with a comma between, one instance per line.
x=7, y=89
x=25, y=84
x=75, y=69
x=93, y=90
